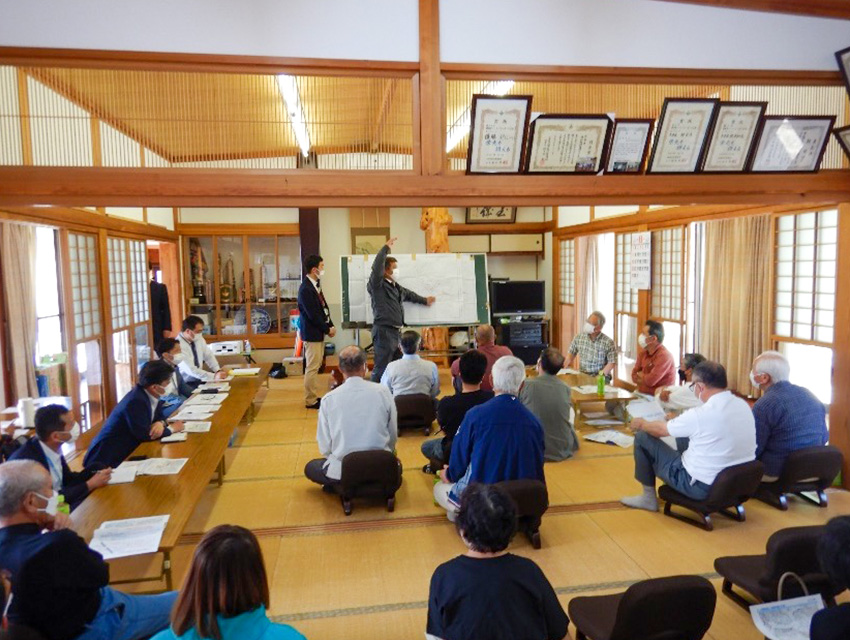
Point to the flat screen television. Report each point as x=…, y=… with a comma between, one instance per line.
x=512, y=297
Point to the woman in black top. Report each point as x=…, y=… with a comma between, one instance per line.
x=488, y=593
x=834, y=555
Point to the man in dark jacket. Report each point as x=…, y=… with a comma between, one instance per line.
x=316, y=323
x=54, y=426
x=387, y=310
x=60, y=587
x=137, y=418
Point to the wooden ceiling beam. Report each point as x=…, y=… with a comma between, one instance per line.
x=839, y=9
x=221, y=187
x=386, y=100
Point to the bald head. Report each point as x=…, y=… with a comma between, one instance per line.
x=352, y=361
x=18, y=479
x=484, y=334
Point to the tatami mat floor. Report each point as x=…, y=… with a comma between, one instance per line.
x=366, y=576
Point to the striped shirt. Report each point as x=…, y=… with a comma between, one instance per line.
x=593, y=355
x=788, y=418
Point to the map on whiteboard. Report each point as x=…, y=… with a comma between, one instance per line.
x=449, y=277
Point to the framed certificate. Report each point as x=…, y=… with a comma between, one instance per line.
x=629, y=146
x=681, y=134
x=730, y=143
x=843, y=58
x=843, y=135
x=498, y=133
x=568, y=143
x=791, y=143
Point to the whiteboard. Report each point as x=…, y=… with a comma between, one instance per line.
x=458, y=282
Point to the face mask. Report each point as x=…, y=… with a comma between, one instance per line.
x=52, y=507
x=190, y=335
x=642, y=341
x=395, y=274
x=177, y=359
x=589, y=328
x=157, y=391
x=682, y=376
x=74, y=433
x=753, y=381
x=322, y=273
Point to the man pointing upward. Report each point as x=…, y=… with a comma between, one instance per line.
x=387, y=309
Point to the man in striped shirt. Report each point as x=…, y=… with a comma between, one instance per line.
x=596, y=352
x=788, y=417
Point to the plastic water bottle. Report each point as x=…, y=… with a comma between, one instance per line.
x=600, y=385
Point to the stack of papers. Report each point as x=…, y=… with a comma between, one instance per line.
x=128, y=470
x=219, y=386
x=180, y=436
x=206, y=399
x=609, y=436
x=604, y=422
x=252, y=371
x=646, y=409
x=197, y=427
x=588, y=389
x=130, y=537
x=201, y=412
x=123, y=473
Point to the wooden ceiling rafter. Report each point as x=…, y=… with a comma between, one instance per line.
x=838, y=9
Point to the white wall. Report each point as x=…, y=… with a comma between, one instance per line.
x=634, y=33
x=241, y=215
x=373, y=30
x=569, y=216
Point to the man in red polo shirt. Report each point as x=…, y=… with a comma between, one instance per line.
x=485, y=342
x=654, y=367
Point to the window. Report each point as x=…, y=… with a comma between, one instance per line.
x=50, y=329
x=669, y=269
x=567, y=275
x=625, y=307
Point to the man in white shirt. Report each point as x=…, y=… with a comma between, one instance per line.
x=722, y=433
x=679, y=398
x=358, y=415
x=411, y=375
x=197, y=353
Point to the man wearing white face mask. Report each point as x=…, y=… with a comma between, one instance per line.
x=316, y=323
x=654, y=367
x=596, y=352
x=197, y=353
x=55, y=426
x=387, y=309
x=60, y=587
x=177, y=391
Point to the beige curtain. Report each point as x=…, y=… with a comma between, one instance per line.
x=17, y=251
x=736, y=295
x=587, y=248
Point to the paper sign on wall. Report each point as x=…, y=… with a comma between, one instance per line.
x=641, y=260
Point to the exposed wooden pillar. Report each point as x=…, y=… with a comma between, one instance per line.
x=26, y=123
x=839, y=414
x=308, y=230
x=107, y=350
x=430, y=89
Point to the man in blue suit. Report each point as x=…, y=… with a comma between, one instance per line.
x=316, y=323
x=137, y=418
x=177, y=391
x=55, y=426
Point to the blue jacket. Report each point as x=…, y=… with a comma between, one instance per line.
x=501, y=440
x=74, y=486
x=315, y=325
x=126, y=428
x=253, y=625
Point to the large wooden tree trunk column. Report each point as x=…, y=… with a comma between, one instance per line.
x=435, y=223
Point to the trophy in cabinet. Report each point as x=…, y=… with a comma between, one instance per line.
x=199, y=268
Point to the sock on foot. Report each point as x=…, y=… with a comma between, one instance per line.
x=646, y=500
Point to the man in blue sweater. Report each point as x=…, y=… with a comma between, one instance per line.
x=497, y=441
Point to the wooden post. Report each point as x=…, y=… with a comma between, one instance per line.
x=431, y=115
x=839, y=413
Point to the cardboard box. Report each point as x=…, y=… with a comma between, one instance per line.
x=294, y=366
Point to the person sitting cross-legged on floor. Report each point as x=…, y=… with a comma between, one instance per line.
x=411, y=375
x=548, y=398
x=722, y=433
x=60, y=587
x=488, y=593
x=788, y=417
x=452, y=409
x=358, y=415
x=226, y=592
x=497, y=441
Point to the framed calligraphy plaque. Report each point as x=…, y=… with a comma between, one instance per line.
x=730, y=144
x=843, y=135
x=791, y=143
x=681, y=134
x=562, y=143
x=498, y=133
x=843, y=58
x=478, y=215
x=629, y=146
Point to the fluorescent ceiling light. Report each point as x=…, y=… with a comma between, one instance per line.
x=292, y=98
x=460, y=127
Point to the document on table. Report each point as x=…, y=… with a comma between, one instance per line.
x=571, y=372
x=786, y=619
x=193, y=413
x=180, y=436
x=124, y=473
x=252, y=371
x=649, y=410
x=609, y=436
x=162, y=466
x=604, y=422
x=205, y=398
x=219, y=386
x=595, y=415
x=197, y=427
x=130, y=537
x=589, y=389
